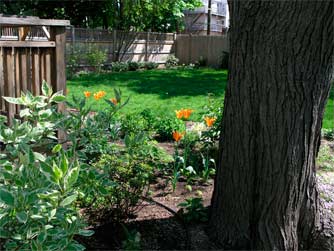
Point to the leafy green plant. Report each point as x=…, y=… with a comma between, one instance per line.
x=37, y=189
x=96, y=58
x=151, y=65
x=166, y=125
x=325, y=159
x=133, y=66
x=132, y=241
x=328, y=134
x=193, y=210
x=119, y=66
x=172, y=62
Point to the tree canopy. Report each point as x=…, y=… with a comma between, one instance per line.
x=140, y=15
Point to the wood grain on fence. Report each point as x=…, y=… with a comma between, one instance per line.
x=27, y=60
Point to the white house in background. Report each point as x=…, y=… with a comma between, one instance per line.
x=196, y=20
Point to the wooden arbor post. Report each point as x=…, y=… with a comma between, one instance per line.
x=29, y=58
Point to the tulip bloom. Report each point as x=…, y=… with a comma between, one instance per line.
x=114, y=101
x=177, y=136
x=183, y=113
x=87, y=94
x=209, y=121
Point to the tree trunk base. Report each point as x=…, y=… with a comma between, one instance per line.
x=324, y=238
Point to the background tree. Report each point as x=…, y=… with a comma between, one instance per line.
x=139, y=15
x=281, y=65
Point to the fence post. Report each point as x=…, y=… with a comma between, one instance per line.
x=146, y=45
x=58, y=75
x=114, y=39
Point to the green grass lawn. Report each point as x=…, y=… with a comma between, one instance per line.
x=165, y=91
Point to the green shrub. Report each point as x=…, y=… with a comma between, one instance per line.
x=193, y=210
x=172, y=62
x=38, y=186
x=165, y=126
x=151, y=65
x=119, y=66
x=133, y=66
x=133, y=123
x=96, y=58
x=328, y=134
x=201, y=62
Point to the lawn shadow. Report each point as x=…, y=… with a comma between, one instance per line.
x=165, y=83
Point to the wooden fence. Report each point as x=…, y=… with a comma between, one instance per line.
x=31, y=50
x=145, y=46
x=120, y=45
x=191, y=48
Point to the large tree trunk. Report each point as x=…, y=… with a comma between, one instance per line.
x=281, y=64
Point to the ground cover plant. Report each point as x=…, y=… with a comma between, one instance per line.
x=164, y=91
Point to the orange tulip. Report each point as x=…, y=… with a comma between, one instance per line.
x=183, y=113
x=209, y=121
x=87, y=94
x=179, y=114
x=100, y=94
x=177, y=136
x=187, y=113
x=114, y=101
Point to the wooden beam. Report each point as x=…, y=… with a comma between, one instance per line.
x=32, y=21
x=26, y=44
x=46, y=32
x=23, y=32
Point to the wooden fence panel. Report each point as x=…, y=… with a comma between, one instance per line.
x=191, y=48
x=25, y=64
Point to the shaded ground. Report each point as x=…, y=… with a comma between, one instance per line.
x=161, y=230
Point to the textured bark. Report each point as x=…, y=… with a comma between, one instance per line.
x=281, y=64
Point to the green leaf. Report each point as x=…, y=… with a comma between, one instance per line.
x=72, y=177
x=22, y=217
x=56, y=148
x=46, y=89
x=25, y=112
x=58, y=97
x=16, y=101
x=36, y=217
x=86, y=233
x=6, y=197
x=68, y=200
x=64, y=163
x=39, y=157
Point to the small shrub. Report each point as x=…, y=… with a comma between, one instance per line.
x=151, y=65
x=133, y=66
x=165, y=126
x=133, y=123
x=96, y=58
x=328, y=134
x=172, y=62
x=193, y=210
x=119, y=66
x=224, y=60
x=325, y=159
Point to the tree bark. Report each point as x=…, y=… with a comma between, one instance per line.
x=281, y=65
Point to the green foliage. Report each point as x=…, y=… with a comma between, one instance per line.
x=325, y=159
x=172, y=62
x=133, y=66
x=96, y=58
x=151, y=65
x=134, y=123
x=328, y=134
x=132, y=241
x=166, y=125
x=193, y=210
x=37, y=190
x=119, y=66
